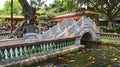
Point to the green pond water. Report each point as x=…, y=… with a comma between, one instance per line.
x=91, y=56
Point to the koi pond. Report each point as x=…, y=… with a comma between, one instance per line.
x=91, y=56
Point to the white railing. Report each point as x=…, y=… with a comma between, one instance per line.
x=4, y=36
x=58, y=29
x=69, y=23
x=110, y=36
x=69, y=27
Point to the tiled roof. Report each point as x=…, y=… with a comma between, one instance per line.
x=70, y=15
x=5, y=16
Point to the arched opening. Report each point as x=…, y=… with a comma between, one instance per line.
x=86, y=38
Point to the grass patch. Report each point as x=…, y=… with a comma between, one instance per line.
x=107, y=42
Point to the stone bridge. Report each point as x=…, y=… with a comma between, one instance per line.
x=63, y=38
x=85, y=28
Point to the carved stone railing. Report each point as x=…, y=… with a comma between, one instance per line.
x=15, y=51
x=69, y=27
x=4, y=35
x=58, y=29
x=110, y=36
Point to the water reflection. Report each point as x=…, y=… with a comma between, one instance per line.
x=95, y=56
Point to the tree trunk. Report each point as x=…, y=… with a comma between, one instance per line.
x=28, y=11
x=29, y=16
x=110, y=20
x=109, y=25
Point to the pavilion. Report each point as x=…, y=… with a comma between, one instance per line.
x=76, y=16
x=15, y=19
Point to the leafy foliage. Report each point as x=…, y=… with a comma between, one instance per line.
x=7, y=9
x=103, y=28
x=1, y=21
x=118, y=29
x=111, y=8
x=69, y=5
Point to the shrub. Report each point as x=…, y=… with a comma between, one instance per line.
x=103, y=28
x=118, y=29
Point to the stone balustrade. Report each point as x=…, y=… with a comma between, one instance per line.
x=4, y=35
x=110, y=36
x=18, y=51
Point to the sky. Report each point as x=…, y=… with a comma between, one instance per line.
x=3, y=1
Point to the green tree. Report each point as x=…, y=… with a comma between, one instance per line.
x=17, y=9
x=111, y=8
x=28, y=10
x=70, y=5
x=48, y=12
x=7, y=9
x=57, y=6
